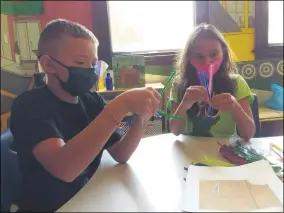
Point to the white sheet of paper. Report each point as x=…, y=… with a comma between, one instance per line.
x=259, y=173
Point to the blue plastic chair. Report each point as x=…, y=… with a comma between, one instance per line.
x=10, y=173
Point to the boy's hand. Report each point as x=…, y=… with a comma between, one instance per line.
x=224, y=102
x=142, y=101
x=144, y=119
x=194, y=94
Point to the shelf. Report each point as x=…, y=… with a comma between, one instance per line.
x=266, y=114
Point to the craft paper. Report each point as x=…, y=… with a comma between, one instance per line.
x=256, y=189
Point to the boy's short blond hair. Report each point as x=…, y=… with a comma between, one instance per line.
x=56, y=30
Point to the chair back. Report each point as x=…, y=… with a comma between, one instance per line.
x=10, y=173
x=39, y=79
x=255, y=113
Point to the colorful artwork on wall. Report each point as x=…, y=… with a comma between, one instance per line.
x=129, y=71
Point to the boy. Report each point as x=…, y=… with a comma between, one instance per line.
x=61, y=129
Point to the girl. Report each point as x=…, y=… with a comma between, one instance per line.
x=231, y=97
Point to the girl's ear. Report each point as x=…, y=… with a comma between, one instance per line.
x=46, y=64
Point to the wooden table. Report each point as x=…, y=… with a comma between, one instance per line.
x=153, y=178
x=271, y=122
x=266, y=114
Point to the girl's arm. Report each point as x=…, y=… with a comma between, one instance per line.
x=244, y=119
x=240, y=111
x=191, y=95
x=177, y=125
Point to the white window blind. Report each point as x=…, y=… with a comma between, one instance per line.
x=275, y=22
x=150, y=26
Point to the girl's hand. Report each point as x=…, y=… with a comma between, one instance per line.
x=224, y=102
x=194, y=94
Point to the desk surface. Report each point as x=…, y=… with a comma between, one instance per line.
x=153, y=178
x=266, y=114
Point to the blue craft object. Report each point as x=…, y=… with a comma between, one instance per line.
x=202, y=76
x=276, y=100
x=158, y=115
x=130, y=120
x=208, y=93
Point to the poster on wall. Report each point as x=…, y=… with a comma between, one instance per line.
x=129, y=71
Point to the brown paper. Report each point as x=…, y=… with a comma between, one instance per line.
x=235, y=195
x=263, y=196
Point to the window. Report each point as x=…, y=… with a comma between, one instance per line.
x=268, y=30
x=154, y=29
x=275, y=22
x=150, y=26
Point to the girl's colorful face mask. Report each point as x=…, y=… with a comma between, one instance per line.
x=205, y=73
x=211, y=68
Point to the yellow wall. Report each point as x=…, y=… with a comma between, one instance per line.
x=242, y=44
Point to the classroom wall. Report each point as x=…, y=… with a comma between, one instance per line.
x=232, y=17
x=16, y=76
x=72, y=10
x=236, y=21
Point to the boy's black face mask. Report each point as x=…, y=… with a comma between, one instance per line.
x=80, y=80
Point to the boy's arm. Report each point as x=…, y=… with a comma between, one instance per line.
x=67, y=160
x=123, y=150
x=176, y=125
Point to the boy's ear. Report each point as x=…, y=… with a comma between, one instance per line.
x=46, y=64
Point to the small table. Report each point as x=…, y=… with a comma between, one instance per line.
x=153, y=178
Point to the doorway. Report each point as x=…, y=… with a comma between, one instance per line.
x=5, y=39
x=27, y=34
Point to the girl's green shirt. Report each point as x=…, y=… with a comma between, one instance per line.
x=223, y=125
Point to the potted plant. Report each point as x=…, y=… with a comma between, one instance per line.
x=17, y=53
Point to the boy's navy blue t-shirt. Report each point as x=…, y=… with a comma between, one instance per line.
x=38, y=115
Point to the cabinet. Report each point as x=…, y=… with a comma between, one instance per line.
x=27, y=34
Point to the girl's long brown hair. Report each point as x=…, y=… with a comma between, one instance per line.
x=222, y=82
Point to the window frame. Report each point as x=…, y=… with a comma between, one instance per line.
x=263, y=50
x=101, y=28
